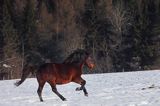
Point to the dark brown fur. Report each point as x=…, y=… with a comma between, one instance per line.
x=68, y=71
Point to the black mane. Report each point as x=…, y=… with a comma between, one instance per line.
x=76, y=57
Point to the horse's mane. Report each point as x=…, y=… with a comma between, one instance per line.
x=76, y=57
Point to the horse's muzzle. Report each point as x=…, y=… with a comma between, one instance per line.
x=91, y=66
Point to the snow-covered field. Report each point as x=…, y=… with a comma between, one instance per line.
x=112, y=89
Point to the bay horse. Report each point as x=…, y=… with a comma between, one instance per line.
x=62, y=73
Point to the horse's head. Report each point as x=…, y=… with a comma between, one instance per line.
x=90, y=62
x=80, y=57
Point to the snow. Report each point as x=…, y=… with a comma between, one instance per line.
x=110, y=89
x=6, y=66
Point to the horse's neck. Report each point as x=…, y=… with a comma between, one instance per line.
x=81, y=65
x=78, y=66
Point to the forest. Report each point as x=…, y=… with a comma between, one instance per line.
x=122, y=35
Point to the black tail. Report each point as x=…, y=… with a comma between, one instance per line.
x=25, y=73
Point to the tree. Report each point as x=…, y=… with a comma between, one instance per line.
x=156, y=36
x=1, y=36
x=29, y=37
x=10, y=38
x=69, y=26
x=143, y=19
x=120, y=24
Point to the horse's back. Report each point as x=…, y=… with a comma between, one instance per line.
x=51, y=70
x=44, y=71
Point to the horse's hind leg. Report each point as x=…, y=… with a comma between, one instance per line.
x=54, y=89
x=39, y=91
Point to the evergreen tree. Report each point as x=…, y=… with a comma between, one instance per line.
x=156, y=36
x=10, y=42
x=29, y=37
x=1, y=36
x=9, y=32
x=29, y=24
x=143, y=45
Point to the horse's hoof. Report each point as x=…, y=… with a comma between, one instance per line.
x=64, y=99
x=86, y=95
x=78, y=89
x=41, y=101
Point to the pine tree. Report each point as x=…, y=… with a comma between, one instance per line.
x=156, y=36
x=30, y=24
x=143, y=45
x=10, y=39
x=8, y=31
x=1, y=36
x=29, y=37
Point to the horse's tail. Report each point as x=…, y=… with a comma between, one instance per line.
x=25, y=73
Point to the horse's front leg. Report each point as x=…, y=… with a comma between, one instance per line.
x=82, y=82
x=54, y=89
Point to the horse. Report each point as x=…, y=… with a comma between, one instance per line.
x=62, y=73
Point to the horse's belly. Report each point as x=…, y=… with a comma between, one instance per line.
x=62, y=81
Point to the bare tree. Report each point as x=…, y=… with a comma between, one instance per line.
x=119, y=20
x=105, y=63
x=69, y=25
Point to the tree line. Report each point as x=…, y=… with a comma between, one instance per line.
x=122, y=35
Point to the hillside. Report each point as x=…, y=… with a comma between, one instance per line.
x=112, y=89
x=121, y=35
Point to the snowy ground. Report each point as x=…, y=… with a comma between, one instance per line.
x=114, y=89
